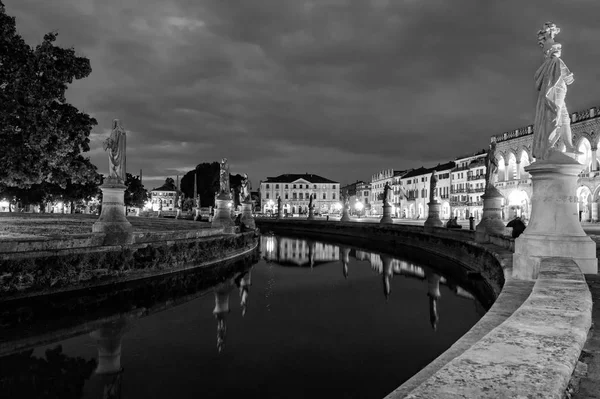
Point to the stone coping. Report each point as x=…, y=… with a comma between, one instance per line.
x=527, y=344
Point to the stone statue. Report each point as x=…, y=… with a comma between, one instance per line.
x=198, y=201
x=552, y=121
x=386, y=193
x=224, y=189
x=278, y=204
x=180, y=201
x=245, y=190
x=310, y=202
x=433, y=187
x=115, y=145
x=491, y=165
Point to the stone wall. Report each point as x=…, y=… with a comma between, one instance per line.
x=50, y=271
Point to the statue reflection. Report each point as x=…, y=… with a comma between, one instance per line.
x=108, y=340
x=433, y=292
x=345, y=256
x=243, y=283
x=387, y=273
x=220, y=311
x=311, y=254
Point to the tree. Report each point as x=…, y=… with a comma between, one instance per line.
x=41, y=135
x=170, y=183
x=135, y=195
x=207, y=179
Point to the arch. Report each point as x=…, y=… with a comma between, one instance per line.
x=518, y=204
x=511, y=169
x=523, y=162
x=411, y=212
x=584, y=203
x=501, y=168
x=421, y=213
x=445, y=211
x=585, y=158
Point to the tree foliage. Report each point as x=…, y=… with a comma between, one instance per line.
x=208, y=183
x=42, y=136
x=135, y=194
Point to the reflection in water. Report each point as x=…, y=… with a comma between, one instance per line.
x=244, y=282
x=57, y=375
x=221, y=293
x=108, y=340
x=296, y=251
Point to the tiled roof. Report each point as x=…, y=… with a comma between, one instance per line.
x=164, y=187
x=290, y=178
x=425, y=171
x=472, y=154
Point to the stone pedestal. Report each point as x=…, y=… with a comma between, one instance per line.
x=247, y=219
x=197, y=214
x=222, y=216
x=554, y=229
x=345, y=217
x=279, y=213
x=387, y=214
x=178, y=215
x=311, y=214
x=491, y=221
x=108, y=341
x=433, y=218
x=112, y=220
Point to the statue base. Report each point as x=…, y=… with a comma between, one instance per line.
x=279, y=214
x=222, y=216
x=433, y=218
x=345, y=217
x=178, y=216
x=554, y=229
x=113, y=221
x=247, y=219
x=311, y=214
x=491, y=220
x=197, y=214
x=387, y=214
x=108, y=341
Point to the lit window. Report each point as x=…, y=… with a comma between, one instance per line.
x=267, y=185
x=324, y=195
x=277, y=186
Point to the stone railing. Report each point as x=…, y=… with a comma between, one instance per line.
x=476, y=177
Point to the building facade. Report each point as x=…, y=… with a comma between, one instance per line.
x=468, y=185
x=415, y=186
x=513, y=154
x=378, y=182
x=295, y=191
x=165, y=195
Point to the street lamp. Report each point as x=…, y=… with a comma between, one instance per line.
x=359, y=206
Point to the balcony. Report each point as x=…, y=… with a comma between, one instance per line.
x=458, y=191
x=476, y=203
x=457, y=203
x=476, y=190
x=476, y=177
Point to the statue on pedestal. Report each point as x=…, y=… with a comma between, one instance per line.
x=491, y=165
x=433, y=187
x=552, y=121
x=116, y=144
x=245, y=190
x=386, y=193
x=279, y=205
x=224, y=189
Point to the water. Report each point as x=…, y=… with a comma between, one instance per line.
x=309, y=319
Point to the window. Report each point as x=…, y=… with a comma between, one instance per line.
x=315, y=186
x=294, y=186
x=300, y=186
x=286, y=186
x=267, y=197
x=333, y=187
x=267, y=185
x=294, y=196
x=301, y=196
x=333, y=196
x=286, y=195
x=324, y=195
x=277, y=186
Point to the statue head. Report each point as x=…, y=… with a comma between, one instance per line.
x=546, y=40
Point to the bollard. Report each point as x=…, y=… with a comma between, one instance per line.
x=471, y=223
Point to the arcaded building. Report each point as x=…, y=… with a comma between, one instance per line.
x=513, y=153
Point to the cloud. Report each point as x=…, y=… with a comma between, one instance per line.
x=340, y=88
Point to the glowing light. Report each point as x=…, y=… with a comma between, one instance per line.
x=338, y=206
x=4, y=204
x=359, y=206
x=229, y=204
x=270, y=244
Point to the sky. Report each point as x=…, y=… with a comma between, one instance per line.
x=338, y=88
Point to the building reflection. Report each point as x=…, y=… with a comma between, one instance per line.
x=297, y=251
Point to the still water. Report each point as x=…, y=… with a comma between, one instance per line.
x=299, y=319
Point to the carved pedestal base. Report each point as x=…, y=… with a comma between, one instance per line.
x=554, y=229
x=178, y=216
x=433, y=218
x=108, y=341
x=222, y=216
x=196, y=214
x=112, y=220
x=345, y=217
x=387, y=214
x=279, y=213
x=247, y=219
x=491, y=221
x=311, y=214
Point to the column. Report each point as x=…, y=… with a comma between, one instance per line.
x=594, y=166
x=518, y=166
x=506, y=171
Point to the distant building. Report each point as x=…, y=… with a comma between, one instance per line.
x=468, y=185
x=357, y=192
x=165, y=195
x=416, y=185
x=378, y=181
x=295, y=191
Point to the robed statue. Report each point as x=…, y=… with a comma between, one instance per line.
x=552, y=121
x=115, y=145
x=224, y=189
x=386, y=193
x=245, y=190
x=310, y=202
x=433, y=187
x=491, y=165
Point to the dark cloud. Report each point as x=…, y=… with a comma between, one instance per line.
x=336, y=87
